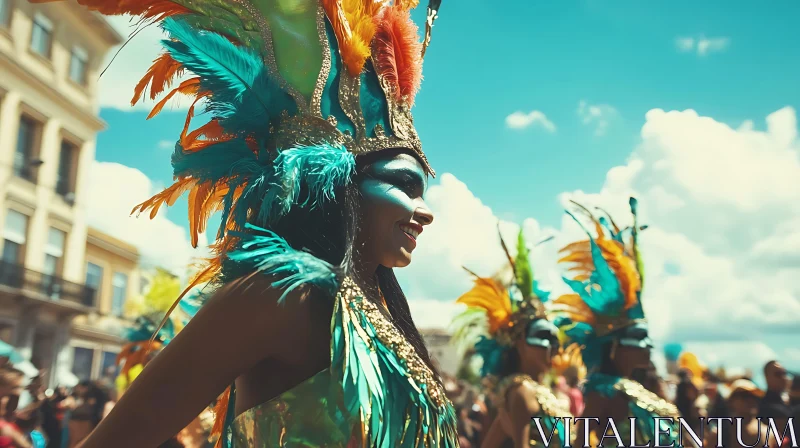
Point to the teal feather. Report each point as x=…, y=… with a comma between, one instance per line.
x=145, y=326
x=213, y=163
x=322, y=168
x=378, y=386
x=268, y=253
x=609, y=299
x=241, y=86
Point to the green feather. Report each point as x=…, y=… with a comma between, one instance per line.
x=523, y=270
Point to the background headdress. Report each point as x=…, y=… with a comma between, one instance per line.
x=607, y=284
x=498, y=310
x=569, y=361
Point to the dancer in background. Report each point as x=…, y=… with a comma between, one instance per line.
x=308, y=149
x=507, y=324
x=569, y=365
x=605, y=316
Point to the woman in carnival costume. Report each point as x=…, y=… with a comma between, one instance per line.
x=311, y=155
x=506, y=322
x=605, y=316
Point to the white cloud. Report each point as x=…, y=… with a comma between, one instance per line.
x=597, y=115
x=133, y=60
x=166, y=144
x=433, y=314
x=114, y=190
x=723, y=209
x=702, y=45
x=522, y=120
x=685, y=44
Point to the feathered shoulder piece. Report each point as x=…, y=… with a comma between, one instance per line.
x=606, y=282
x=499, y=308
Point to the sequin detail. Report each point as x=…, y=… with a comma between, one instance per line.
x=645, y=399
x=390, y=336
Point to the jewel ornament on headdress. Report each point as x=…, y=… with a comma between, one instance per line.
x=607, y=285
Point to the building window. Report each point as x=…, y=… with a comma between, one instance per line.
x=78, y=62
x=42, y=35
x=5, y=13
x=120, y=291
x=108, y=366
x=65, y=182
x=82, y=362
x=26, y=142
x=144, y=285
x=54, y=251
x=94, y=281
x=7, y=332
x=15, y=234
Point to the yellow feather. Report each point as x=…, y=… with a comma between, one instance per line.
x=492, y=297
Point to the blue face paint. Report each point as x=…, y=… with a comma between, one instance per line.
x=393, y=209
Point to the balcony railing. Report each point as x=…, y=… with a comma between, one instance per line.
x=55, y=288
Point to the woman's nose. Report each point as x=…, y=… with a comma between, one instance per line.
x=423, y=215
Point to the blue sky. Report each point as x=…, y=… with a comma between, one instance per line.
x=487, y=62
x=719, y=185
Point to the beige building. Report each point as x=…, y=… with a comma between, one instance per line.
x=441, y=350
x=50, y=59
x=112, y=269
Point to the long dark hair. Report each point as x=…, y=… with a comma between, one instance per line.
x=329, y=232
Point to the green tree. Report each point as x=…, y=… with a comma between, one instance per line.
x=164, y=289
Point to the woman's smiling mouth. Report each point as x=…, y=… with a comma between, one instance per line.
x=412, y=230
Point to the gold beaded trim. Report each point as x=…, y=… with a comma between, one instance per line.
x=645, y=399
x=322, y=80
x=391, y=337
x=350, y=100
x=551, y=406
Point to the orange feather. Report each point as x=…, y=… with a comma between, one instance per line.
x=397, y=53
x=623, y=266
x=489, y=295
x=220, y=409
x=188, y=87
x=575, y=308
x=147, y=9
x=159, y=77
x=167, y=196
x=353, y=22
x=405, y=5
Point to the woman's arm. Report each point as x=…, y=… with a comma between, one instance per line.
x=594, y=407
x=495, y=436
x=522, y=406
x=238, y=327
x=16, y=437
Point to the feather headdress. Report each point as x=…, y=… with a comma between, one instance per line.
x=606, y=283
x=499, y=308
x=570, y=358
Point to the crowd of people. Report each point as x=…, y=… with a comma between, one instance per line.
x=698, y=400
x=32, y=416
x=56, y=418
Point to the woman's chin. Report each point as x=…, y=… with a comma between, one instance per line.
x=402, y=259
